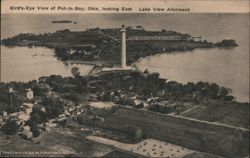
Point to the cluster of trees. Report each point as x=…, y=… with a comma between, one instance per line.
x=10, y=128
x=33, y=128
x=205, y=89
x=77, y=84
x=159, y=108
x=11, y=101
x=37, y=116
x=53, y=106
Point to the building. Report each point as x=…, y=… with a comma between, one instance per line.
x=4, y=113
x=50, y=124
x=29, y=94
x=11, y=90
x=27, y=108
x=43, y=109
x=26, y=134
x=22, y=118
x=159, y=38
x=26, y=128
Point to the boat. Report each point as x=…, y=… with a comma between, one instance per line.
x=61, y=21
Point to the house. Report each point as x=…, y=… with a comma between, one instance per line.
x=4, y=113
x=98, y=118
x=27, y=108
x=11, y=90
x=46, y=129
x=26, y=134
x=5, y=116
x=26, y=128
x=50, y=124
x=61, y=117
x=136, y=102
x=43, y=109
x=145, y=104
x=67, y=113
x=29, y=94
x=22, y=118
x=71, y=51
x=78, y=113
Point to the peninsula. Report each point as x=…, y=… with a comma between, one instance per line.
x=97, y=45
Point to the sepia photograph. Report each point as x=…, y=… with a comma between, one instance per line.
x=124, y=80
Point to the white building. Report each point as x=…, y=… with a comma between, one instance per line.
x=22, y=117
x=27, y=108
x=29, y=94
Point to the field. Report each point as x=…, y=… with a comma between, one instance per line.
x=200, y=136
x=230, y=114
x=58, y=142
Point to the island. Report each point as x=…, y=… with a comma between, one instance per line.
x=102, y=46
x=120, y=111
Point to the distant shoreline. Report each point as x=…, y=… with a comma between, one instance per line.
x=97, y=45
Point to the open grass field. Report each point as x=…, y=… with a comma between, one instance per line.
x=231, y=114
x=210, y=138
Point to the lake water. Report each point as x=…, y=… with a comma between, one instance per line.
x=227, y=67
x=24, y=64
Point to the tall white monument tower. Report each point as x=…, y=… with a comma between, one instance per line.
x=123, y=47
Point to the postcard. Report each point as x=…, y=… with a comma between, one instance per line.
x=124, y=78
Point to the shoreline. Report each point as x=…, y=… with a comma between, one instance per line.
x=104, y=44
x=105, y=63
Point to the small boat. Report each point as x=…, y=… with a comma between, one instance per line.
x=62, y=21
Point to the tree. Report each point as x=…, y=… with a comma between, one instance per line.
x=10, y=128
x=146, y=71
x=155, y=75
x=54, y=107
x=34, y=130
x=190, y=87
x=229, y=98
x=213, y=91
x=75, y=71
x=35, y=118
x=223, y=92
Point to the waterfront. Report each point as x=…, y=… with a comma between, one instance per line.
x=222, y=66
x=227, y=67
